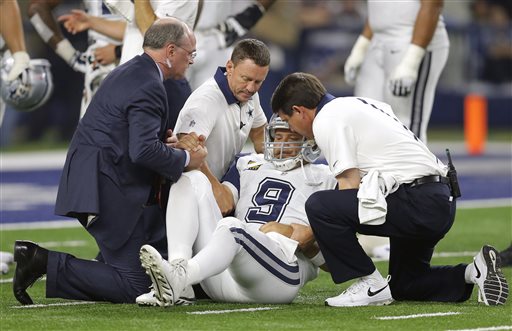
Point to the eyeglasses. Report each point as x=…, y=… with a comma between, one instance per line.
x=191, y=55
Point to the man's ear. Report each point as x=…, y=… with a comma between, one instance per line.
x=229, y=67
x=299, y=110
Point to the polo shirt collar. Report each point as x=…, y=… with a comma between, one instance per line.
x=325, y=100
x=222, y=81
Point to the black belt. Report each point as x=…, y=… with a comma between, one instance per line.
x=428, y=180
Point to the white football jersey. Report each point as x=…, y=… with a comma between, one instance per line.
x=267, y=194
x=363, y=133
x=393, y=21
x=213, y=111
x=133, y=38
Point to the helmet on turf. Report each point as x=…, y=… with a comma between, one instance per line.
x=286, y=155
x=31, y=89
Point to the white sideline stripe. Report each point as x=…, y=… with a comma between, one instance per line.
x=440, y=254
x=69, y=243
x=73, y=303
x=39, y=225
x=206, y=312
x=484, y=203
x=9, y=280
x=403, y=317
x=491, y=328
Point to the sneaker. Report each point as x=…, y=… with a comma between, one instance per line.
x=187, y=298
x=506, y=257
x=4, y=268
x=6, y=257
x=367, y=291
x=492, y=285
x=147, y=299
x=168, y=279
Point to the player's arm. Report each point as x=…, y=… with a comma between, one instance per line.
x=222, y=193
x=78, y=20
x=144, y=15
x=11, y=30
x=405, y=74
x=348, y=179
x=256, y=135
x=303, y=234
x=41, y=17
x=357, y=54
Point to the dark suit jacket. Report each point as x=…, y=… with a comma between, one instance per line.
x=117, y=153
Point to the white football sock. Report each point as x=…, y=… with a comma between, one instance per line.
x=216, y=256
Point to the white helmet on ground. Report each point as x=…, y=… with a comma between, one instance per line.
x=276, y=152
x=31, y=89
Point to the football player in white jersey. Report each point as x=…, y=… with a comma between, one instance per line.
x=253, y=256
x=41, y=17
x=399, y=57
x=390, y=185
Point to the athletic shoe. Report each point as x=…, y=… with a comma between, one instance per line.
x=492, y=285
x=367, y=291
x=168, y=279
x=506, y=257
x=381, y=252
x=149, y=299
x=4, y=268
x=6, y=257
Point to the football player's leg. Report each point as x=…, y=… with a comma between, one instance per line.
x=257, y=267
x=192, y=215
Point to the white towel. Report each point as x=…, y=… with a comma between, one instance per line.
x=288, y=246
x=372, y=194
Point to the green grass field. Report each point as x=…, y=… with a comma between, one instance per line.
x=472, y=229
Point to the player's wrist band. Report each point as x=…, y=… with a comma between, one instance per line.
x=318, y=259
x=117, y=51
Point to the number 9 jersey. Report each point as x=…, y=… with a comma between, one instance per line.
x=266, y=194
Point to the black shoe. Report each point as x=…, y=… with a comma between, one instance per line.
x=506, y=257
x=31, y=261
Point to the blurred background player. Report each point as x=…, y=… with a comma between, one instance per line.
x=41, y=17
x=14, y=80
x=225, y=255
x=399, y=57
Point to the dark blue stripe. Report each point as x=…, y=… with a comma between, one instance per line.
x=265, y=251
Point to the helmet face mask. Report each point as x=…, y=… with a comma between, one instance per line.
x=286, y=154
x=31, y=89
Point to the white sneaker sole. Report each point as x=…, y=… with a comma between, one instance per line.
x=153, y=263
x=495, y=287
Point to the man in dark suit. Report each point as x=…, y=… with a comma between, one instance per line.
x=112, y=175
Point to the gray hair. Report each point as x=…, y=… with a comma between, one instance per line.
x=163, y=32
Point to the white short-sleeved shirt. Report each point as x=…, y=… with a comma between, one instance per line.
x=363, y=133
x=133, y=38
x=266, y=194
x=392, y=22
x=213, y=111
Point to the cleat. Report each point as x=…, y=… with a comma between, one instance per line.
x=367, y=291
x=168, y=279
x=492, y=285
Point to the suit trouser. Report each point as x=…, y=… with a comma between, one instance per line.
x=417, y=218
x=120, y=279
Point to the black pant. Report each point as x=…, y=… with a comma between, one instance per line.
x=417, y=218
x=120, y=278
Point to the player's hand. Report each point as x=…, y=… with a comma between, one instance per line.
x=76, y=21
x=197, y=157
x=105, y=55
x=284, y=229
x=355, y=59
x=404, y=76
x=303, y=234
x=191, y=142
x=237, y=26
x=21, y=62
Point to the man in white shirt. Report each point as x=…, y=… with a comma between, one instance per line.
x=390, y=185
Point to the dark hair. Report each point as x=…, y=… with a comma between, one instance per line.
x=252, y=49
x=297, y=89
x=163, y=32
